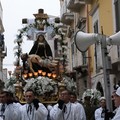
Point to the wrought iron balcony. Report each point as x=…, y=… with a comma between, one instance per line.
x=75, y=5
x=88, y=1
x=67, y=18
x=81, y=23
x=83, y=69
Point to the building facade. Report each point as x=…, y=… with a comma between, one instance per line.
x=91, y=16
x=73, y=14
x=3, y=49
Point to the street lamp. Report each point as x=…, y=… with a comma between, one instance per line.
x=84, y=40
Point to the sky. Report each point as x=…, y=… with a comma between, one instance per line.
x=13, y=13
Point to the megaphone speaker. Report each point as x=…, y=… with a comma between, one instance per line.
x=113, y=39
x=84, y=40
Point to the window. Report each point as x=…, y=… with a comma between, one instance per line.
x=96, y=31
x=117, y=16
x=98, y=61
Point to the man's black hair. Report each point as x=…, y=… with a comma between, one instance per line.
x=8, y=93
x=73, y=93
x=30, y=90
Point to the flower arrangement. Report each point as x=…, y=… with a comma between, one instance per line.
x=9, y=84
x=69, y=83
x=41, y=85
x=93, y=94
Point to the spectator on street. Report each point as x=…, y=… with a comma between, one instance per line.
x=89, y=108
x=100, y=112
x=117, y=104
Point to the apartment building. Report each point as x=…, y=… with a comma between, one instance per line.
x=73, y=14
x=91, y=16
x=3, y=49
x=103, y=19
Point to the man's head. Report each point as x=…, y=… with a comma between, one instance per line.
x=102, y=102
x=87, y=100
x=73, y=97
x=65, y=95
x=4, y=97
x=29, y=96
x=117, y=97
x=24, y=56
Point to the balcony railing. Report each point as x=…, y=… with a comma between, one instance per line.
x=81, y=23
x=88, y=1
x=67, y=18
x=75, y=5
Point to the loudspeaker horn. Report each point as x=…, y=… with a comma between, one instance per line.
x=113, y=39
x=84, y=40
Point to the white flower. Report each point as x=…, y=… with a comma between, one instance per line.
x=69, y=83
x=93, y=93
x=41, y=85
x=9, y=84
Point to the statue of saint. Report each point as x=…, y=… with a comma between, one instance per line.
x=41, y=48
x=29, y=60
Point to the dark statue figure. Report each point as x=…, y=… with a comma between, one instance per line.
x=42, y=49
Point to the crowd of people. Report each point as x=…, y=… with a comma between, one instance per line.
x=66, y=108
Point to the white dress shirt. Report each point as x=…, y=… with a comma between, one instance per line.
x=98, y=113
x=117, y=115
x=39, y=114
x=80, y=110
x=11, y=112
x=71, y=113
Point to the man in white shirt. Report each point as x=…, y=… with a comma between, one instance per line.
x=33, y=109
x=8, y=110
x=100, y=112
x=73, y=99
x=117, y=104
x=65, y=110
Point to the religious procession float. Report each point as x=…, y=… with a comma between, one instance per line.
x=39, y=69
